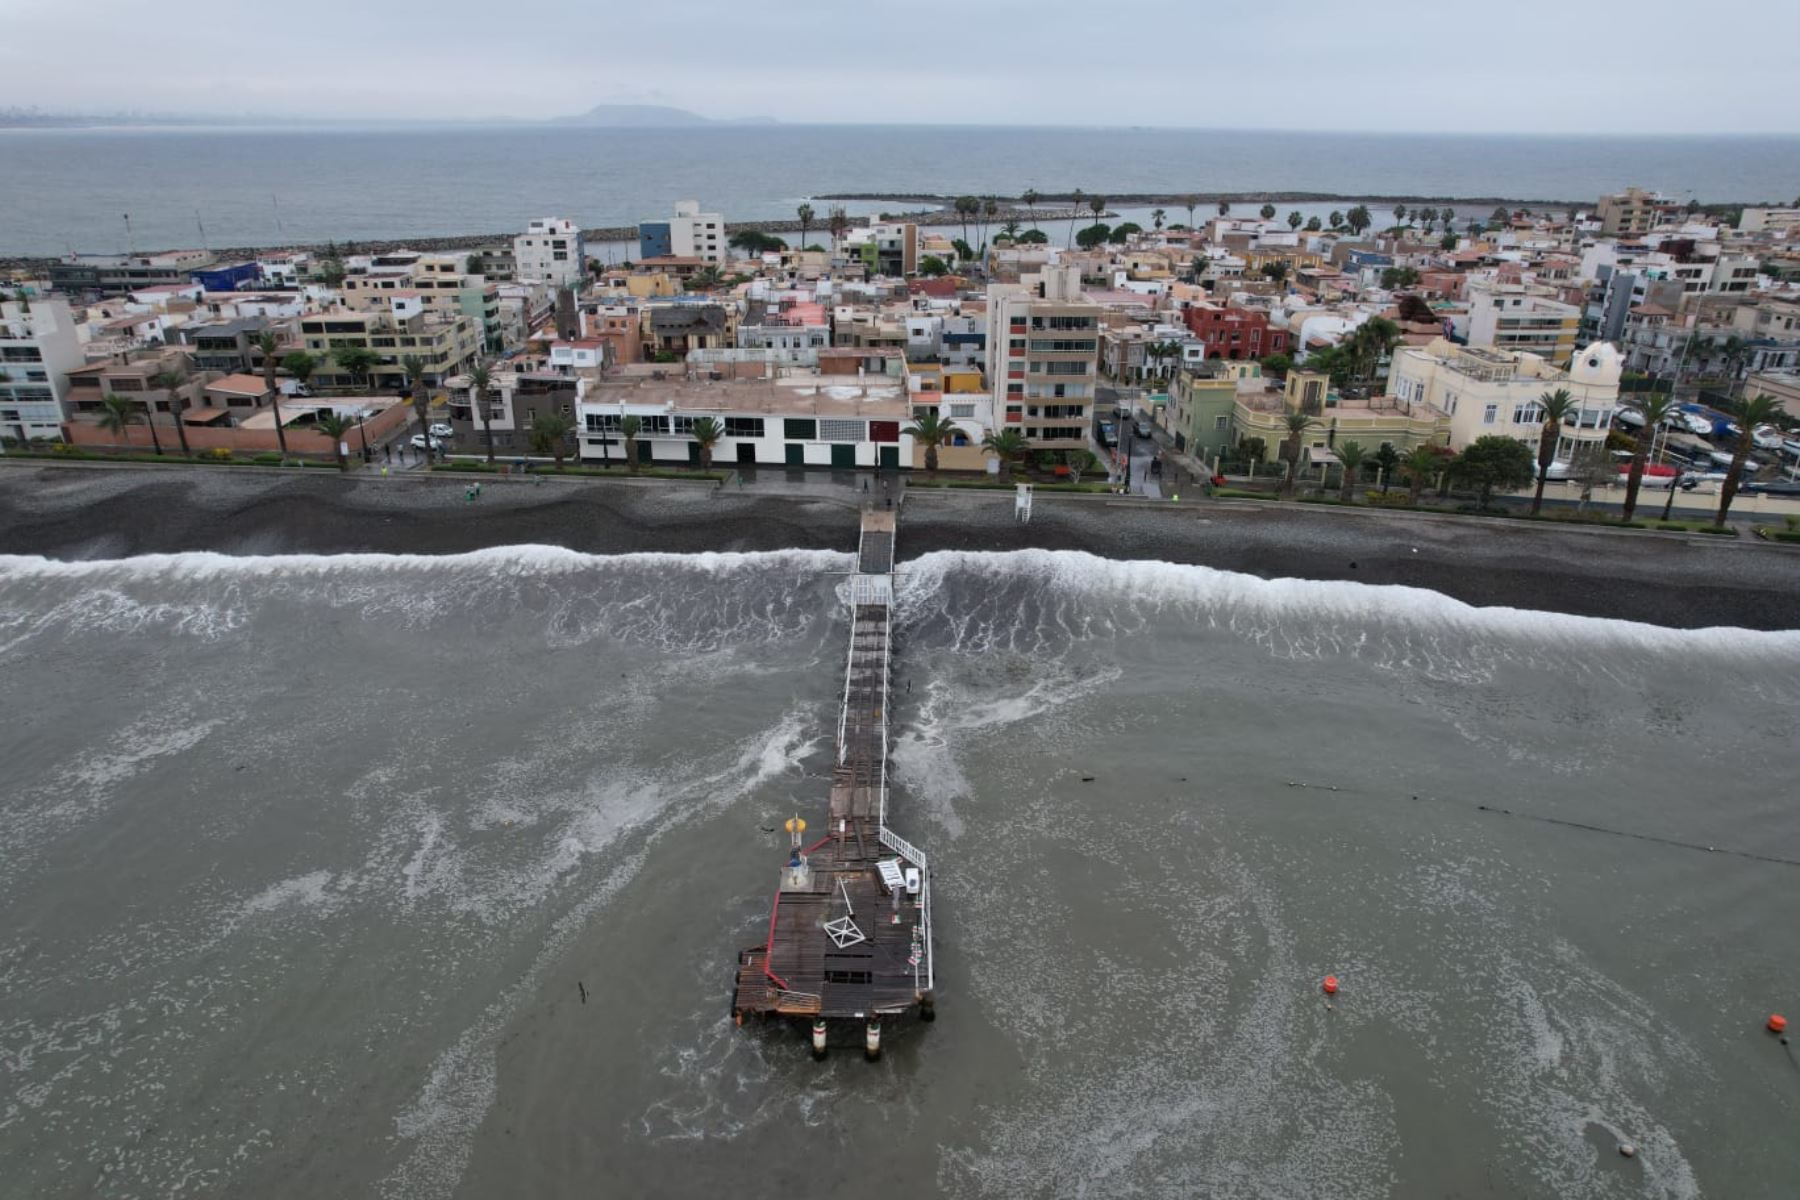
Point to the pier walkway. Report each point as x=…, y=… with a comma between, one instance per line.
x=850, y=929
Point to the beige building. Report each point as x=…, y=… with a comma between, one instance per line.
x=1522, y=317
x=1043, y=358
x=1633, y=211
x=1369, y=422
x=448, y=344
x=439, y=282
x=1487, y=392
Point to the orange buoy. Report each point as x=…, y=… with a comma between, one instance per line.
x=1330, y=985
x=1777, y=1023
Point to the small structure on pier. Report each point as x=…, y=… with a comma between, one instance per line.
x=850, y=930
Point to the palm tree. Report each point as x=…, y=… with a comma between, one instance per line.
x=171, y=381
x=1337, y=218
x=1190, y=203
x=1295, y=220
x=631, y=426
x=805, y=213
x=1656, y=408
x=837, y=222
x=1297, y=425
x=1224, y=208
x=1352, y=455
x=1031, y=198
x=550, y=435
x=1011, y=228
x=1156, y=217
x=414, y=366
x=990, y=208
x=1557, y=406
x=964, y=205
x=1750, y=412
x=1399, y=213
x=480, y=379
x=931, y=431
x=267, y=342
x=1007, y=445
x=1419, y=466
x=1736, y=353
x=706, y=433
x=1074, y=211
x=1373, y=340
x=1098, y=205
x=337, y=427
x=117, y=414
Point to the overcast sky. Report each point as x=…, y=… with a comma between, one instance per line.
x=1643, y=66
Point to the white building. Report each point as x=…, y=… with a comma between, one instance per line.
x=38, y=348
x=550, y=251
x=1487, y=392
x=1043, y=348
x=1518, y=316
x=690, y=233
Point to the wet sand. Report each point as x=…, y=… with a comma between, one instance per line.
x=83, y=513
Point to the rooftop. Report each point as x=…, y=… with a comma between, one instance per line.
x=788, y=396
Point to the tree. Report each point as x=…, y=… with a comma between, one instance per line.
x=300, y=365
x=805, y=213
x=1373, y=341
x=1008, y=445
x=1156, y=217
x=1297, y=425
x=358, y=360
x=1557, y=406
x=964, y=206
x=1074, y=211
x=931, y=431
x=931, y=264
x=117, y=414
x=480, y=379
x=755, y=242
x=1092, y=236
x=1447, y=242
x=1294, y=219
x=267, y=343
x=1277, y=364
x=1124, y=232
x=838, y=223
x=1033, y=237
x=414, y=366
x=550, y=435
x=337, y=427
x=1010, y=228
x=1500, y=217
x=706, y=432
x=1419, y=467
x=1190, y=203
x=1493, y=462
x=1098, y=207
x=1656, y=407
x=1387, y=461
x=1736, y=352
x=1031, y=198
x=629, y=427
x=1359, y=219
x=964, y=251
x=1399, y=214
x=331, y=272
x=171, y=382
x=1446, y=215
x=1336, y=219
x=1590, y=467
x=1275, y=271
x=1313, y=225
x=1267, y=212
x=990, y=208
x=1395, y=279
x=1750, y=412
x=1224, y=208
x=1352, y=455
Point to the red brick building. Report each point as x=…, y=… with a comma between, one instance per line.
x=1235, y=332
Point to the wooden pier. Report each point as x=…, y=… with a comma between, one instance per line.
x=849, y=936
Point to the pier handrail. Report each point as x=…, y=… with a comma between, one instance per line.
x=902, y=847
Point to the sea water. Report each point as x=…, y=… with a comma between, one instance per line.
x=425, y=877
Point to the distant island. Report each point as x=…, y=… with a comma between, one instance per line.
x=650, y=116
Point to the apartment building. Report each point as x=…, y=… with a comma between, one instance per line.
x=439, y=282
x=885, y=247
x=550, y=251
x=799, y=329
x=690, y=233
x=138, y=377
x=1043, y=337
x=127, y=272
x=227, y=346
x=1518, y=316
x=519, y=394
x=38, y=349
x=1486, y=392
x=447, y=343
x=1634, y=211
x=1236, y=333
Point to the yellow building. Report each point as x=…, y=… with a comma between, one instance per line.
x=446, y=344
x=1368, y=422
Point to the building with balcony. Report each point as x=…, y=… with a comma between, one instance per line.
x=885, y=247
x=38, y=349
x=550, y=251
x=1043, y=338
x=447, y=344
x=1634, y=211
x=1236, y=333
x=1518, y=316
x=1486, y=392
x=227, y=346
x=690, y=233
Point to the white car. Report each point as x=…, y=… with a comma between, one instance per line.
x=441, y=430
x=419, y=439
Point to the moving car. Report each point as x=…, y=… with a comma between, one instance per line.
x=441, y=430
x=419, y=439
x=1141, y=427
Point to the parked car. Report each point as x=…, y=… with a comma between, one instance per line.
x=1108, y=433
x=419, y=440
x=1774, y=487
x=441, y=430
x=1141, y=427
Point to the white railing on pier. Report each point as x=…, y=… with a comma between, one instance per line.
x=902, y=847
x=871, y=589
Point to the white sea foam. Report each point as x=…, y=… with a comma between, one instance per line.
x=311, y=890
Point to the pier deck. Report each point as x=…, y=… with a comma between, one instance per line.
x=850, y=929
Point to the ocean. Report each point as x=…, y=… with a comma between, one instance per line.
x=63, y=189
x=306, y=863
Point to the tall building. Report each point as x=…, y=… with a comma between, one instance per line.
x=1634, y=211
x=1043, y=341
x=550, y=251
x=690, y=233
x=38, y=348
x=1517, y=316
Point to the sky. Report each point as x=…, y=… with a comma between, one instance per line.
x=1524, y=66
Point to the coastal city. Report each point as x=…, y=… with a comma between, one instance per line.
x=1412, y=354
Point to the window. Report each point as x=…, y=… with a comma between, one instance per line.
x=682, y=426
x=743, y=427
x=1528, y=414
x=1064, y=432
x=839, y=429
x=962, y=411
x=800, y=429
x=1490, y=414
x=1221, y=422
x=1031, y=431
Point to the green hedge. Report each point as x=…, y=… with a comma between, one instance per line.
x=465, y=467
x=1696, y=527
